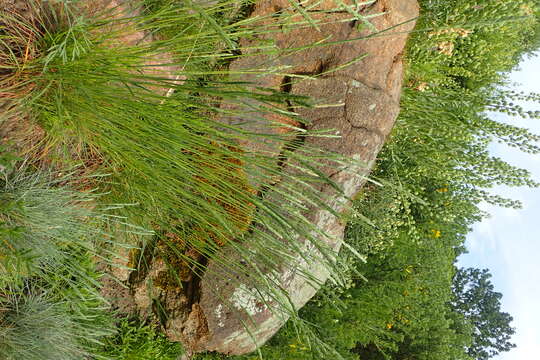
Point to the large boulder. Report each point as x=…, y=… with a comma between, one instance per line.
x=364, y=99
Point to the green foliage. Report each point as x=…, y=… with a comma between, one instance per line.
x=389, y=211
x=436, y=168
x=34, y=328
x=475, y=299
x=465, y=44
x=412, y=284
x=136, y=341
x=49, y=299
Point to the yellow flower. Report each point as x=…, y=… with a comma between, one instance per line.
x=423, y=86
x=461, y=32
x=446, y=48
x=444, y=189
x=389, y=325
x=527, y=9
x=436, y=233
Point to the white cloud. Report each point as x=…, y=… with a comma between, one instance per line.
x=508, y=243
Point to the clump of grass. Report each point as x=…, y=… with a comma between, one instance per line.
x=44, y=223
x=50, y=306
x=169, y=154
x=34, y=328
x=136, y=341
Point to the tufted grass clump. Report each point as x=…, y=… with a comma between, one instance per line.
x=50, y=305
x=40, y=323
x=44, y=223
x=33, y=328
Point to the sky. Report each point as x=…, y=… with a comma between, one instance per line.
x=508, y=243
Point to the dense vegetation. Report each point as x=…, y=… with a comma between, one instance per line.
x=428, y=183
x=50, y=306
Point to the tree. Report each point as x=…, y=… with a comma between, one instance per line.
x=476, y=300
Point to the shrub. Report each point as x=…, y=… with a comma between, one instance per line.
x=135, y=341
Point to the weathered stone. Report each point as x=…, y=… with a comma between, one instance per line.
x=364, y=103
